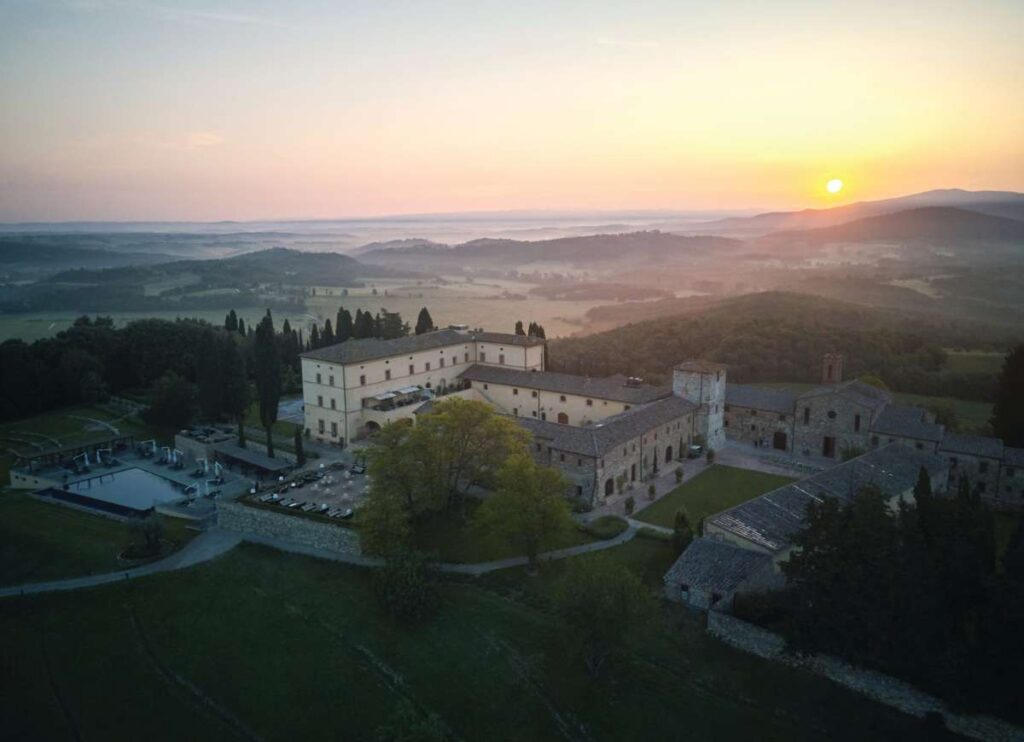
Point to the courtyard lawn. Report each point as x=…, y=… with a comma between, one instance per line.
x=277, y=646
x=710, y=492
x=452, y=538
x=46, y=541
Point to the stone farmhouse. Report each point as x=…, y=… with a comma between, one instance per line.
x=605, y=434
x=741, y=548
x=841, y=418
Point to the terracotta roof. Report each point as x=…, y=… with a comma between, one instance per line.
x=369, y=349
x=609, y=387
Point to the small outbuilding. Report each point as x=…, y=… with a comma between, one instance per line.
x=711, y=571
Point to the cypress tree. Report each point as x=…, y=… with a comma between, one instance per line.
x=268, y=377
x=241, y=327
x=424, y=322
x=1008, y=410
x=519, y=327
x=231, y=322
x=327, y=338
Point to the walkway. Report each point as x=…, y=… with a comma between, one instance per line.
x=204, y=547
x=214, y=542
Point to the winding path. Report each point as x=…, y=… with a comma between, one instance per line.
x=214, y=542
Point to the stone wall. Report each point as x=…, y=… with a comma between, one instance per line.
x=244, y=519
x=875, y=685
x=834, y=416
x=753, y=426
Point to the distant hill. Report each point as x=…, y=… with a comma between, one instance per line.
x=1007, y=204
x=775, y=336
x=931, y=224
x=29, y=254
x=600, y=247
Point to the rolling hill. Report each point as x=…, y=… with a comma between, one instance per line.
x=1006, y=204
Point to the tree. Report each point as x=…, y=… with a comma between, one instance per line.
x=236, y=387
x=404, y=586
x=327, y=336
x=528, y=508
x=1013, y=557
x=602, y=604
x=424, y=322
x=462, y=443
x=343, y=325
x=1008, y=410
x=314, y=337
x=682, y=532
x=149, y=531
x=384, y=523
x=519, y=327
x=241, y=327
x=267, y=369
x=300, y=455
x=173, y=403
x=231, y=321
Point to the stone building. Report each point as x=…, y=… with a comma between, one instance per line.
x=703, y=383
x=837, y=418
x=762, y=417
x=714, y=571
x=980, y=459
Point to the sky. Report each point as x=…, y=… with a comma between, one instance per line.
x=203, y=110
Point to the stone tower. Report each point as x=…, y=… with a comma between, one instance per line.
x=832, y=368
x=703, y=383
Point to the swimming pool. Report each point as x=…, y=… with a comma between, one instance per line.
x=131, y=489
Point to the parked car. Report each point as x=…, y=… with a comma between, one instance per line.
x=695, y=451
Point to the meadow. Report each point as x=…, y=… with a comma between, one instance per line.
x=264, y=644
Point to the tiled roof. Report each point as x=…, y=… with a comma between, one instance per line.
x=972, y=445
x=773, y=400
x=609, y=387
x=908, y=422
x=867, y=395
x=701, y=367
x=1013, y=456
x=715, y=566
x=596, y=440
x=770, y=520
x=368, y=349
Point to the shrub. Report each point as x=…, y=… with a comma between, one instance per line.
x=651, y=491
x=682, y=532
x=606, y=527
x=404, y=587
x=629, y=504
x=679, y=475
x=650, y=533
x=581, y=505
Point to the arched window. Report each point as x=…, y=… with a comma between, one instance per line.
x=609, y=487
x=563, y=419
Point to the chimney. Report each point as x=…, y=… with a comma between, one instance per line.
x=832, y=368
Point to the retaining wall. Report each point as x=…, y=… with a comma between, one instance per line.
x=268, y=524
x=878, y=686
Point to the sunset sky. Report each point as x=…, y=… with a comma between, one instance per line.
x=117, y=109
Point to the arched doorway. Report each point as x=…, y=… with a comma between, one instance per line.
x=372, y=428
x=779, y=441
x=668, y=455
x=563, y=419
x=609, y=487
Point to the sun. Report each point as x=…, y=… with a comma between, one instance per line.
x=834, y=186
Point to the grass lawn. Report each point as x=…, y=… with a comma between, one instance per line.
x=975, y=361
x=1006, y=524
x=453, y=539
x=710, y=492
x=973, y=417
x=44, y=541
x=294, y=648
x=281, y=428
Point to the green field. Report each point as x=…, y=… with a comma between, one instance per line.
x=710, y=492
x=452, y=538
x=975, y=361
x=279, y=646
x=46, y=541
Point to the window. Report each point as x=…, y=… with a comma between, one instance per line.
x=466, y=357
x=515, y=411
x=561, y=398
x=753, y=428
x=515, y=392
x=412, y=369
x=874, y=440
x=953, y=462
x=501, y=358
x=331, y=377
x=590, y=403
x=782, y=417
x=579, y=462
x=318, y=377
x=387, y=374
x=486, y=386
x=625, y=407
x=320, y=425
x=981, y=487
x=919, y=446
x=753, y=413
x=533, y=394
x=362, y=380
x=561, y=457
x=831, y=414
x=982, y=467
x=483, y=357
x=534, y=413
x=319, y=400
x=441, y=363
x=728, y=408
x=334, y=429
x=718, y=375
x=426, y=366
x=334, y=403
x=807, y=415
x=538, y=446
x=1010, y=471
x=856, y=423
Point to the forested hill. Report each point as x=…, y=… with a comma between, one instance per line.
x=778, y=336
x=590, y=248
x=934, y=224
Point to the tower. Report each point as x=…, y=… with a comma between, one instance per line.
x=703, y=383
x=832, y=368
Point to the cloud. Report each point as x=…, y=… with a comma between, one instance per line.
x=627, y=43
